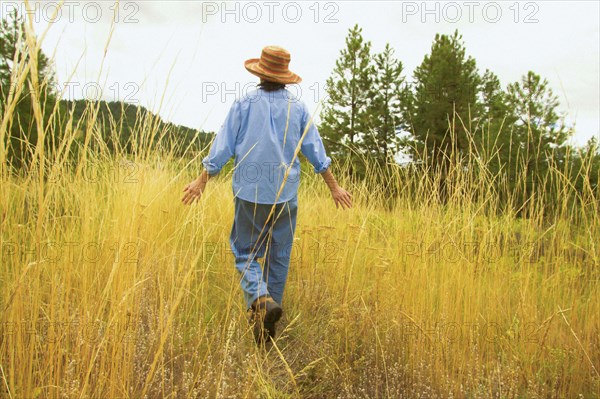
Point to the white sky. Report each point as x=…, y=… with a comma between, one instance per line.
x=194, y=51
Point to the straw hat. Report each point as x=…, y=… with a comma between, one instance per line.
x=273, y=66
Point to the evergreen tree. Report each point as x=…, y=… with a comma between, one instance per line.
x=384, y=113
x=22, y=132
x=492, y=100
x=538, y=131
x=492, y=134
x=444, y=89
x=583, y=169
x=344, y=117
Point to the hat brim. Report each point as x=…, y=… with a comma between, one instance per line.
x=252, y=65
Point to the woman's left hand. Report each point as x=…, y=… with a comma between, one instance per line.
x=193, y=191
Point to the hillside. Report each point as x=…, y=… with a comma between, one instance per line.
x=127, y=116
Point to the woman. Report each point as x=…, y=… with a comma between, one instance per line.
x=264, y=131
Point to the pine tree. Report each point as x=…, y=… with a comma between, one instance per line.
x=385, y=111
x=344, y=117
x=444, y=90
x=22, y=132
x=538, y=132
x=584, y=167
x=492, y=133
x=492, y=99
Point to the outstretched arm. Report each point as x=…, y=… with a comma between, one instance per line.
x=221, y=150
x=340, y=196
x=314, y=151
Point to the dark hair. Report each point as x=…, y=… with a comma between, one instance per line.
x=268, y=85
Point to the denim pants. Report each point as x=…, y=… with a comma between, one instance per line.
x=255, y=235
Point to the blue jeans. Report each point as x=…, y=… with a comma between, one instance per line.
x=253, y=235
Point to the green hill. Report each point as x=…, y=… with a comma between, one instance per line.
x=117, y=120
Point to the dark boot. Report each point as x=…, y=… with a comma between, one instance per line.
x=265, y=313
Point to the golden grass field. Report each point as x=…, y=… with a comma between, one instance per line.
x=111, y=288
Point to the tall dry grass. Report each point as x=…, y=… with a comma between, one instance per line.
x=113, y=289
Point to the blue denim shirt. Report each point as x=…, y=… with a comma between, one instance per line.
x=262, y=131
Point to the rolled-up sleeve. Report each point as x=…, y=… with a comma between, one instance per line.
x=223, y=146
x=312, y=145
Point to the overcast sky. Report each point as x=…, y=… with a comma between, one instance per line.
x=193, y=52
